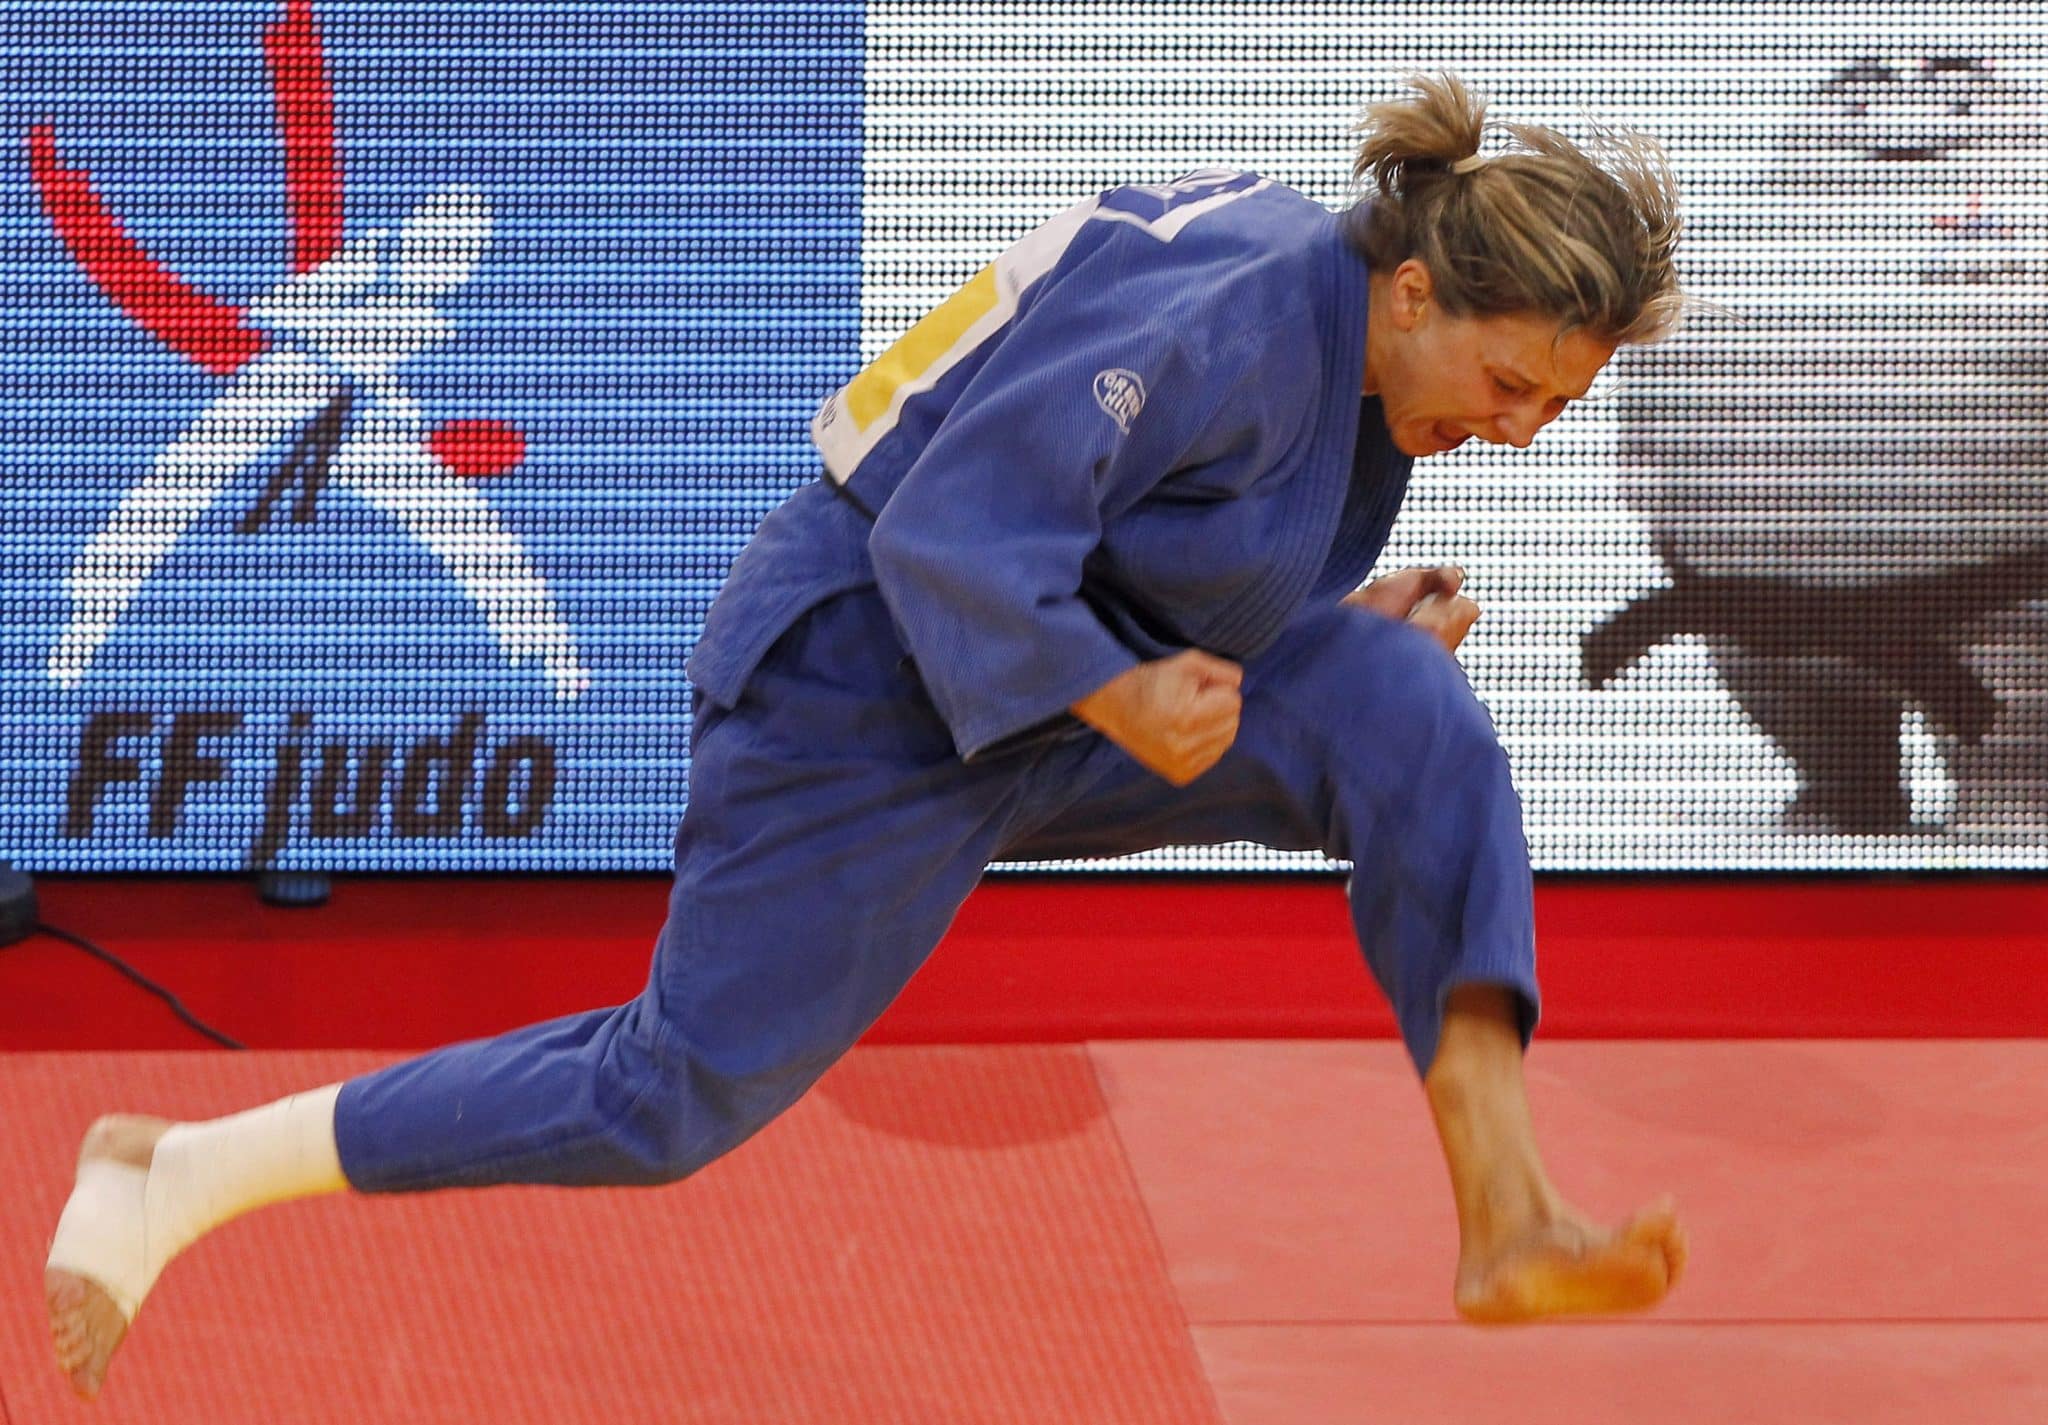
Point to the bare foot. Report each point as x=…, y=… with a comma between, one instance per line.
x=1566, y=1266
x=86, y=1327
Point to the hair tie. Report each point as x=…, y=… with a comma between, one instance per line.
x=1471, y=163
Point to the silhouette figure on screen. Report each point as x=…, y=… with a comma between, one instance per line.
x=1846, y=678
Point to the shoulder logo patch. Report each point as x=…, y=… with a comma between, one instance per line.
x=1121, y=394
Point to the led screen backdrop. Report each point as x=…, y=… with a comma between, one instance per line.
x=391, y=385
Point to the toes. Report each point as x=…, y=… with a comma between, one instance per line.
x=1579, y=1269
x=72, y=1351
x=85, y=1382
x=85, y=1368
x=1656, y=1228
x=85, y=1330
x=1677, y=1249
x=1658, y=1220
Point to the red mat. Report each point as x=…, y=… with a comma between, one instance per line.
x=1243, y=1233
x=934, y=1236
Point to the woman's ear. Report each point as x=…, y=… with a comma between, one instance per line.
x=1411, y=290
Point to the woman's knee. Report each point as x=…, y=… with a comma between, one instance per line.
x=1386, y=682
x=673, y=1106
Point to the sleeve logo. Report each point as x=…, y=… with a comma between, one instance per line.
x=1121, y=394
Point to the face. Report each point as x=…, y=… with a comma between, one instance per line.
x=1443, y=380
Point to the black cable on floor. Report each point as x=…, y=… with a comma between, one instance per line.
x=177, y=1007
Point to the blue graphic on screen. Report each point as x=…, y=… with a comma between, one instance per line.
x=390, y=388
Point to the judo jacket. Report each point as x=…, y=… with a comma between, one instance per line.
x=1139, y=430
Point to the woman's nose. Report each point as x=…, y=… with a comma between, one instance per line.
x=1518, y=427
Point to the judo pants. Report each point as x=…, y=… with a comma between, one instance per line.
x=832, y=832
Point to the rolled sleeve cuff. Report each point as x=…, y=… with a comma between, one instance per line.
x=981, y=729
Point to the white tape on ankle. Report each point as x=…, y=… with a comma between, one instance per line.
x=103, y=1235
x=124, y=1224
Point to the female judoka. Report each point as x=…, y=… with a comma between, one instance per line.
x=1077, y=579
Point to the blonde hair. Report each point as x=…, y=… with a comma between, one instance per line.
x=1584, y=234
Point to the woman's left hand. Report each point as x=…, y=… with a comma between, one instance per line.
x=1428, y=598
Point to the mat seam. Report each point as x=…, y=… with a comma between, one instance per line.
x=1158, y=1247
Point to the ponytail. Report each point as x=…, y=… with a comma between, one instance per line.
x=1586, y=235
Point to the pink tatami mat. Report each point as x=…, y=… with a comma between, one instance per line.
x=1250, y=1233
x=1864, y=1223
x=1642, y=1374
x=1868, y=1181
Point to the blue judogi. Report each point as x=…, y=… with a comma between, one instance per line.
x=1138, y=431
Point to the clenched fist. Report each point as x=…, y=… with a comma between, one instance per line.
x=1427, y=598
x=1176, y=716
